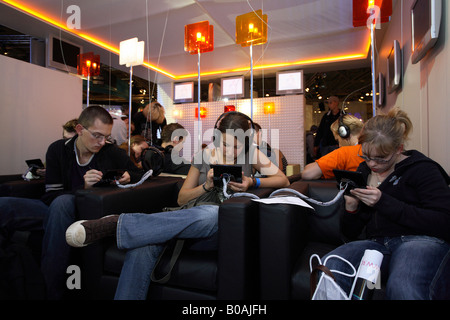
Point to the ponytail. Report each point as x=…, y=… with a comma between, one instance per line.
x=385, y=133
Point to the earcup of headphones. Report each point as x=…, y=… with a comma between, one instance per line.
x=153, y=159
x=343, y=130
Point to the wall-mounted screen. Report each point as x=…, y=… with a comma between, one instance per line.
x=426, y=18
x=290, y=82
x=183, y=92
x=394, y=67
x=232, y=88
x=62, y=54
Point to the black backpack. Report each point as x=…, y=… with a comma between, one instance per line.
x=153, y=158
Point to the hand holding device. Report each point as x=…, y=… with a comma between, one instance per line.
x=109, y=177
x=353, y=179
x=34, y=164
x=229, y=172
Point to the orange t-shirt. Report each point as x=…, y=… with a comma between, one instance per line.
x=343, y=158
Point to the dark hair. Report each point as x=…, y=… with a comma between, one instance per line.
x=168, y=130
x=256, y=126
x=233, y=120
x=91, y=113
x=239, y=123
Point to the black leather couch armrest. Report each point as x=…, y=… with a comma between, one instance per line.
x=153, y=195
x=238, y=247
x=15, y=186
x=283, y=236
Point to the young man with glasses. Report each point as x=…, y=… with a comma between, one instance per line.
x=76, y=163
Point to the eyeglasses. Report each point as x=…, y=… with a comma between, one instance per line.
x=376, y=160
x=99, y=136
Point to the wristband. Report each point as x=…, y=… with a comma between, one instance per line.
x=354, y=211
x=258, y=182
x=204, y=188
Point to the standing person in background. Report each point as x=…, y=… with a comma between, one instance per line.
x=119, y=132
x=310, y=136
x=325, y=141
x=149, y=122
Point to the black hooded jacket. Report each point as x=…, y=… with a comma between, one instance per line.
x=415, y=200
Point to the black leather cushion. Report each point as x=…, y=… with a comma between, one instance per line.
x=114, y=258
x=33, y=189
x=324, y=224
x=194, y=269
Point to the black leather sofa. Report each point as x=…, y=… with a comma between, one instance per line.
x=231, y=272
x=15, y=186
x=290, y=234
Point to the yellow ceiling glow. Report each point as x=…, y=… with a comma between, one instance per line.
x=45, y=17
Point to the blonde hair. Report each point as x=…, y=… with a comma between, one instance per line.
x=386, y=132
x=353, y=123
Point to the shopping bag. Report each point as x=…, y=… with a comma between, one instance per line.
x=327, y=288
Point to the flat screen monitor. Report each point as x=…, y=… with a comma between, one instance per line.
x=289, y=82
x=394, y=67
x=62, y=54
x=426, y=18
x=232, y=88
x=183, y=92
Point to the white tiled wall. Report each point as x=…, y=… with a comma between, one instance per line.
x=287, y=123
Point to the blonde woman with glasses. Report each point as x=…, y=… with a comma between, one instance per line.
x=404, y=213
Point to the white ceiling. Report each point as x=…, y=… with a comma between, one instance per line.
x=299, y=30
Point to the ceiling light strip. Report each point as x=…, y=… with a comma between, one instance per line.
x=280, y=65
x=84, y=36
x=115, y=50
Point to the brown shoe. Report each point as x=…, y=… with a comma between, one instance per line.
x=84, y=232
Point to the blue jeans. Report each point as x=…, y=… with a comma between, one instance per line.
x=144, y=236
x=55, y=250
x=21, y=214
x=415, y=267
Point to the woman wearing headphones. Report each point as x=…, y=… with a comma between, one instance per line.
x=144, y=235
x=404, y=213
x=346, y=130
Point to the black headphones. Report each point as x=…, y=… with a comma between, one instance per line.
x=217, y=134
x=343, y=130
x=153, y=158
